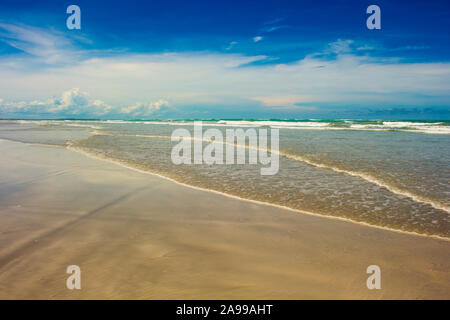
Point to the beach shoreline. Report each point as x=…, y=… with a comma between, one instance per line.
x=138, y=236
x=320, y=215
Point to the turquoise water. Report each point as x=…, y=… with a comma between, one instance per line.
x=389, y=174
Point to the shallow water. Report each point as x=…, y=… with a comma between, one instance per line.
x=387, y=174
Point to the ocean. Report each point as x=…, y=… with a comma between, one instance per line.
x=387, y=174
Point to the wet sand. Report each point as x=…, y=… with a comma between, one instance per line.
x=137, y=236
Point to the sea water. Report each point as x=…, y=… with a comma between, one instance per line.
x=390, y=174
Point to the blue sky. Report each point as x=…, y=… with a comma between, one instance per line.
x=225, y=59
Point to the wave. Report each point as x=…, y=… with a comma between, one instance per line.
x=373, y=180
x=310, y=124
x=126, y=165
x=407, y=126
x=428, y=127
x=361, y=175
x=69, y=123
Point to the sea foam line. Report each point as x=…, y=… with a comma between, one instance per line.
x=116, y=162
x=374, y=180
x=364, y=176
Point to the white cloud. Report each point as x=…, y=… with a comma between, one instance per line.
x=274, y=21
x=365, y=48
x=272, y=29
x=76, y=102
x=341, y=46
x=189, y=79
x=231, y=45
x=50, y=47
x=257, y=39
x=269, y=29
x=71, y=102
x=145, y=109
x=336, y=75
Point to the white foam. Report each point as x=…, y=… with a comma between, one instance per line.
x=361, y=175
x=405, y=126
x=254, y=201
x=299, y=124
x=374, y=180
x=417, y=127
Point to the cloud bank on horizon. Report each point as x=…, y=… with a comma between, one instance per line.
x=262, y=71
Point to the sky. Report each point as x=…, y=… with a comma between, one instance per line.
x=225, y=59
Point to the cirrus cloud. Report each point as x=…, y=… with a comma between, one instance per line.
x=337, y=75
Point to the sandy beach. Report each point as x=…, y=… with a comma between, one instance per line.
x=138, y=236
